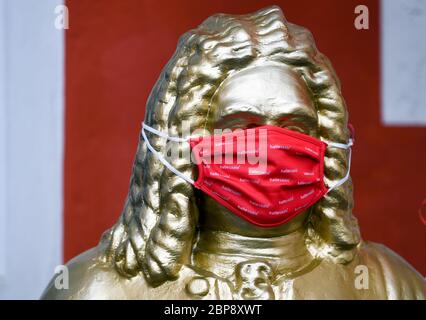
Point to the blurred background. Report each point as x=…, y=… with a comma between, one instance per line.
x=73, y=93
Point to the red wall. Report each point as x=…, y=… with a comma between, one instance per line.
x=115, y=50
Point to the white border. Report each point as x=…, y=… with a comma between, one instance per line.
x=32, y=148
x=403, y=62
x=3, y=145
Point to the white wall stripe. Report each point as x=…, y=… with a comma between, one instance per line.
x=403, y=62
x=3, y=146
x=33, y=112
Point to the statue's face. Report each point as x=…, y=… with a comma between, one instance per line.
x=265, y=94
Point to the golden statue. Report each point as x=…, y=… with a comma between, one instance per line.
x=174, y=242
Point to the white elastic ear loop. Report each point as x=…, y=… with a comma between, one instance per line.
x=162, y=134
x=160, y=156
x=342, y=146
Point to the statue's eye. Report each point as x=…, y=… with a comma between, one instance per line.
x=294, y=128
x=244, y=126
x=251, y=125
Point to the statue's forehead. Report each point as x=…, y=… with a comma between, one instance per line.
x=264, y=88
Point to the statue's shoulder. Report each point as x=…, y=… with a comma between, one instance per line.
x=89, y=276
x=375, y=272
x=92, y=276
x=389, y=273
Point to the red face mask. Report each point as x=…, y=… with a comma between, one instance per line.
x=266, y=175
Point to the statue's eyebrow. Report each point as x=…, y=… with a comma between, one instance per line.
x=256, y=112
x=304, y=116
x=240, y=107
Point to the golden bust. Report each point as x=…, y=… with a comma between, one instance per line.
x=174, y=242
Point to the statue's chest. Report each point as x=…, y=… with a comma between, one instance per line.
x=253, y=281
